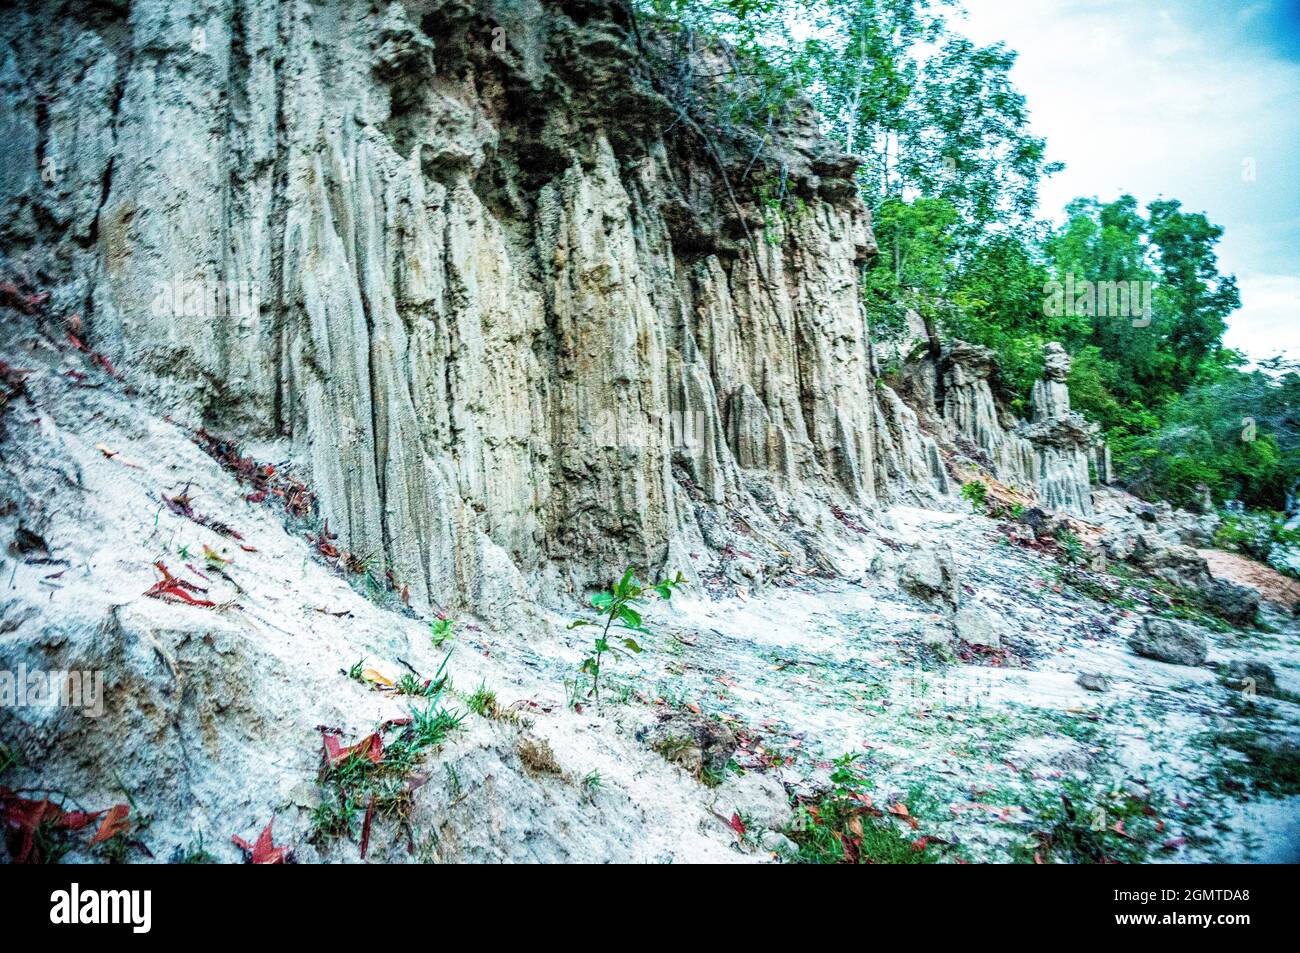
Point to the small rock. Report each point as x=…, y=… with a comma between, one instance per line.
x=1047, y=752
x=1137, y=790
x=305, y=795
x=937, y=636
x=13, y=613
x=930, y=574
x=758, y=797
x=1237, y=604
x=26, y=543
x=697, y=743
x=976, y=625
x=777, y=843
x=1251, y=677
x=1094, y=682
x=1168, y=640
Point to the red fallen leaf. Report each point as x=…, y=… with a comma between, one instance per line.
x=850, y=846
x=76, y=820
x=101, y=361
x=1173, y=843
x=365, y=827
x=398, y=722
x=76, y=341
x=22, y=817
x=920, y=844
x=169, y=587
x=264, y=851
x=112, y=825
x=248, y=549
x=1118, y=828
x=899, y=809
x=737, y=825
x=371, y=746
x=13, y=298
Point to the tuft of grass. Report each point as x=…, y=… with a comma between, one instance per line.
x=195, y=853
x=1089, y=826
x=1072, y=550
x=408, y=684
x=842, y=827
x=483, y=701
x=1264, y=768
x=350, y=787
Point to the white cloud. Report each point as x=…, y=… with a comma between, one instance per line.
x=1269, y=317
x=1170, y=100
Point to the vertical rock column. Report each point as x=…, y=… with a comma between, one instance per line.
x=1063, y=440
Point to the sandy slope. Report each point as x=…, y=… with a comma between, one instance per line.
x=1272, y=585
x=212, y=712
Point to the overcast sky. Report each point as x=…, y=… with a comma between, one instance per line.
x=1196, y=100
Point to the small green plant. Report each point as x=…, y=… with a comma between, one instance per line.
x=593, y=781
x=616, y=611
x=1071, y=549
x=8, y=758
x=483, y=702
x=441, y=631
x=429, y=728
x=572, y=693
x=196, y=853
x=976, y=494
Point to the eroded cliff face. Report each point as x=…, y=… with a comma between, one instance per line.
x=1056, y=456
x=464, y=267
